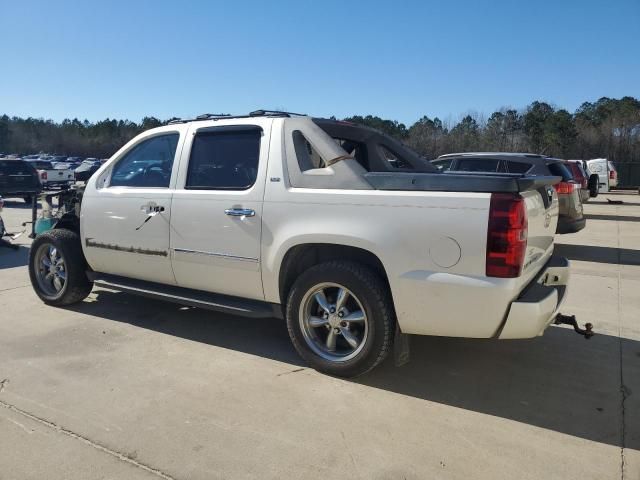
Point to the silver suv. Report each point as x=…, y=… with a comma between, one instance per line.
x=571, y=218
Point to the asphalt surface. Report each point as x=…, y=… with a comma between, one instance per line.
x=126, y=387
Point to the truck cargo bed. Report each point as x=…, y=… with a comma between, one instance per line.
x=458, y=182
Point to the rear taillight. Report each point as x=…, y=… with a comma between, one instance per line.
x=43, y=175
x=612, y=174
x=506, y=235
x=565, y=188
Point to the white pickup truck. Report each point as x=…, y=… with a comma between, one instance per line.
x=50, y=176
x=350, y=236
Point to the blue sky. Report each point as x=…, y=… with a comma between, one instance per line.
x=396, y=59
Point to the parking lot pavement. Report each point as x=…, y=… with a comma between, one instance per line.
x=125, y=387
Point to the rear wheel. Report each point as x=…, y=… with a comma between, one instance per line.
x=594, y=179
x=340, y=318
x=57, y=268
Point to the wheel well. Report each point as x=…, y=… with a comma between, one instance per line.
x=69, y=221
x=302, y=257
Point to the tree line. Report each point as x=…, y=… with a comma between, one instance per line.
x=69, y=137
x=607, y=128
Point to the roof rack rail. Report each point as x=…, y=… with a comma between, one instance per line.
x=275, y=113
x=205, y=116
x=224, y=116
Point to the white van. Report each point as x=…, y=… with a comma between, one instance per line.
x=607, y=174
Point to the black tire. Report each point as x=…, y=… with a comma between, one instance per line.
x=77, y=285
x=594, y=180
x=373, y=295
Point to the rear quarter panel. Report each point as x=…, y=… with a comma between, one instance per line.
x=432, y=247
x=431, y=244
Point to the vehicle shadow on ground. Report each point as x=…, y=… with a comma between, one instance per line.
x=265, y=337
x=590, y=253
x=559, y=382
x=10, y=258
x=624, y=202
x=619, y=218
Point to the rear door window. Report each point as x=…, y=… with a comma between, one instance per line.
x=518, y=167
x=224, y=158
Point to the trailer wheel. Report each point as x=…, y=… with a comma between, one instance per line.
x=57, y=268
x=340, y=318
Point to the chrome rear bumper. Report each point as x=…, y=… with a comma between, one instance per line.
x=536, y=307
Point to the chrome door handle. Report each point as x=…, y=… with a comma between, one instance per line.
x=240, y=212
x=152, y=207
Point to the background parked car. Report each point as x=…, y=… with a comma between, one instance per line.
x=613, y=175
x=57, y=158
x=607, y=173
x=580, y=177
x=593, y=179
x=62, y=166
x=18, y=179
x=86, y=169
x=50, y=176
x=570, y=219
x=75, y=162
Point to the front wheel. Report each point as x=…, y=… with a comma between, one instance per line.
x=340, y=318
x=57, y=268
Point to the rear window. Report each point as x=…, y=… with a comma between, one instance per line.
x=358, y=150
x=478, y=165
x=42, y=165
x=15, y=167
x=396, y=161
x=559, y=169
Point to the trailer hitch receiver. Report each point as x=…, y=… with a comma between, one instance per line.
x=586, y=332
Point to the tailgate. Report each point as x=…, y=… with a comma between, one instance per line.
x=542, y=215
x=59, y=175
